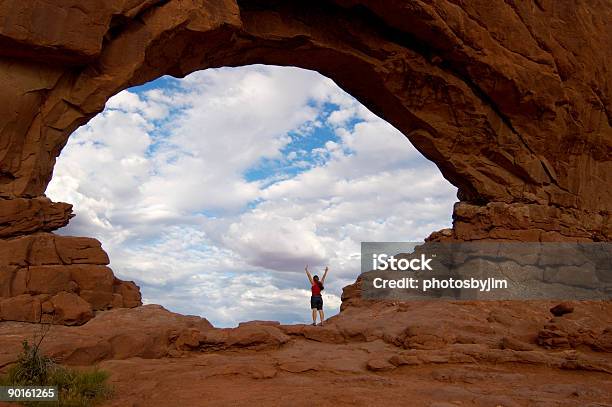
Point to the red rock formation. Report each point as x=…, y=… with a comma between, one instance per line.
x=21, y=216
x=510, y=99
x=58, y=278
x=148, y=331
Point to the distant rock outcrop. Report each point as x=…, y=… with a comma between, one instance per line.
x=60, y=279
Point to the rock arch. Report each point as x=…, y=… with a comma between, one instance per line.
x=511, y=100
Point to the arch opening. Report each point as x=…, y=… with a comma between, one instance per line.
x=214, y=191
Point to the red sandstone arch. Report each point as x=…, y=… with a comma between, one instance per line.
x=512, y=100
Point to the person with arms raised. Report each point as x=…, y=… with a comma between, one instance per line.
x=316, y=300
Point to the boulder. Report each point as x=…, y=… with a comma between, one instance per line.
x=70, y=309
x=129, y=291
x=23, y=307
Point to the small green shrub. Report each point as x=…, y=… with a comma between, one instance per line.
x=76, y=388
x=32, y=368
x=80, y=388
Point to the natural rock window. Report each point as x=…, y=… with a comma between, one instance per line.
x=212, y=192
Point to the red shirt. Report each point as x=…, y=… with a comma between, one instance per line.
x=315, y=289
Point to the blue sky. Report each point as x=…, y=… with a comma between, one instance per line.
x=213, y=191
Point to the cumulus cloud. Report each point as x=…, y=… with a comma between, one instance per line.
x=214, y=191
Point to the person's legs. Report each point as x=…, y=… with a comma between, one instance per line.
x=313, y=307
x=321, y=316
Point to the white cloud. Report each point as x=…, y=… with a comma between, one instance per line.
x=160, y=178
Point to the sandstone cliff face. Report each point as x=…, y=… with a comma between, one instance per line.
x=512, y=100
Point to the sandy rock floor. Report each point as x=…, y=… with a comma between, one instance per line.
x=436, y=354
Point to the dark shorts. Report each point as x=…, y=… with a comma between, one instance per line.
x=316, y=302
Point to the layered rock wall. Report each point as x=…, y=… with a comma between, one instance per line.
x=512, y=100
x=46, y=277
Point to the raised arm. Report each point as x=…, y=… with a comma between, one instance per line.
x=309, y=276
x=324, y=275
